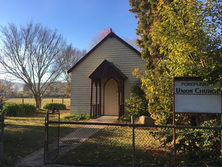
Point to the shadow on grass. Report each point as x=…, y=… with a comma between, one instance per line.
x=20, y=140
x=113, y=146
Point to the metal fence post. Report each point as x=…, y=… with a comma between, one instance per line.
x=58, y=129
x=46, y=139
x=133, y=139
x=2, y=134
x=221, y=138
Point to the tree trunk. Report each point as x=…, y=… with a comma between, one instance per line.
x=38, y=101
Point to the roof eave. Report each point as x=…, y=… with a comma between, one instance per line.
x=110, y=35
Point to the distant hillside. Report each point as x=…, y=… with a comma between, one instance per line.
x=19, y=85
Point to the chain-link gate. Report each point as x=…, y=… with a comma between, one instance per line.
x=51, y=138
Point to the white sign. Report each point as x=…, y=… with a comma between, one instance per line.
x=196, y=97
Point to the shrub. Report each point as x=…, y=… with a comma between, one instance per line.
x=198, y=147
x=54, y=106
x=77, y=117
x=137, y=104
x=28, y=108
x=18, y=109
x=12, y=109
x=126, y=117
x=83, y=117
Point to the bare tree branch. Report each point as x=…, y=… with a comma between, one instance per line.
x=30, y=53
x=69, y=56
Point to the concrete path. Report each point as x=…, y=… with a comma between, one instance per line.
x=105, y=119
x=68, y=142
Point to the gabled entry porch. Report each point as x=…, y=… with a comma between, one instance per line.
x=107, y=91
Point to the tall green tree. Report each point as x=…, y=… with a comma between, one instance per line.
x=178, y=38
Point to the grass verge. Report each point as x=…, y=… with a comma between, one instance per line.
x=23, y=135
x=113, y=146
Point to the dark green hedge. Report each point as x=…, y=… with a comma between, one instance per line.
x=54, y=106
x=18, y=109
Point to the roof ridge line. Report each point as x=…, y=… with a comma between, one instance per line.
x=111, y=35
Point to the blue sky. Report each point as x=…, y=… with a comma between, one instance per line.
x=76, y=20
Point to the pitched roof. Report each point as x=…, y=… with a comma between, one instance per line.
x=110, y=35
x=107, y=69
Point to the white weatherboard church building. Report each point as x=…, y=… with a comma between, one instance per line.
x=102, y=79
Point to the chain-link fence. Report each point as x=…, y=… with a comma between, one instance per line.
x=2, y=125
x=100, y=144
x=52, y=135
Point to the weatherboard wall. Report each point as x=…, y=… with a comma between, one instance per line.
x=112, y=50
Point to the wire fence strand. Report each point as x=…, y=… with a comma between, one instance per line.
x=84, y=143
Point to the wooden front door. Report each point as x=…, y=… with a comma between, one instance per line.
x=111, y=98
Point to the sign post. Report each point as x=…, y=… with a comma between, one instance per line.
x=193, y=95
x=174, y=133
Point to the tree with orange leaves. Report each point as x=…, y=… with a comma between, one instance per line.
x=98, y=36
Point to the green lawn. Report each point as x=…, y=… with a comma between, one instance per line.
x=113, y=146
x=23, y=135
